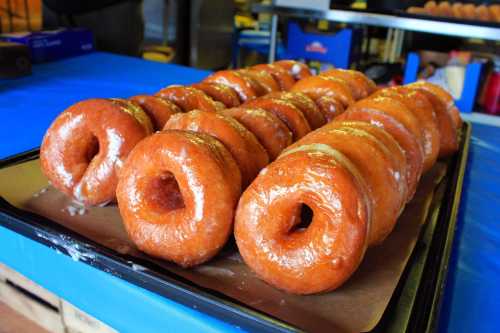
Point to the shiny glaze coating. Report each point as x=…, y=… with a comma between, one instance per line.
x=375, y=165
x=265, y=79
x=280, y=75
x=423, y=110
x=271, y=132
x=448, y=143
x=318, y=86
x=295, y=68
x=445, y=97
x=219, y=92
x=84, y=149
x=158, y=109
x=286, y=112
x=361, y=86
x=243, y=86
x=407, y=141
x=189, y=98
x=330, y=107
x=304, y=103
x=177, y=194
x=267, y=224
x=254, y=80
x=394, y=150
x=398, y=111
x=249, y=154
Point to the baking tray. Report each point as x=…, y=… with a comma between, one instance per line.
x=414, y=305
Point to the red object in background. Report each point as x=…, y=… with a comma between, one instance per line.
x=492, y=96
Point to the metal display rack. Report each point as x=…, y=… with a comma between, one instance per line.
x=417, y=23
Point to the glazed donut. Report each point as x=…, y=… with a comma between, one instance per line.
x=448, y=143
x=360, y=85
x=249, y=154
x=408, y=142
x=286, y=112
x=189, y=98
x=158, y=109
x=264, y=78
x=495, y=13
x=86, y=145
x=397, y=154
x=318, y=86
x=457, y=10
x=469, y=11
x=444, y=9
x=445, y=97
x=431, y=8
x=297, y=69
x=280, y=75
x=305, y=104
x=483, y=13
x=330, y=107
x=177, y=194
x=322, y=256
x=271, y=132
x=219, y=92
x=375, y=165
x=243, y=86
x=422, y=109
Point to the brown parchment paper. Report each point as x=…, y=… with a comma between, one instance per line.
x=357, y=306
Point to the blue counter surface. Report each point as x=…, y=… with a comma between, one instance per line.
x=27, y=107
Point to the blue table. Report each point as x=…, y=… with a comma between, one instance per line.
x=28, y=105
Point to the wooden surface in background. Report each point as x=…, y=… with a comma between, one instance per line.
x=13, y=322
x=18, y=15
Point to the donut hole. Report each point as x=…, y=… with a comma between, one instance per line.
x=93, y=148
x=305, y=214
x=164, y=193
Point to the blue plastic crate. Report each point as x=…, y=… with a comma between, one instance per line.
x=335, y=49
x=471, y=81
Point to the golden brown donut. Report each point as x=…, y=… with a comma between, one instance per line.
x=255, y=81
x=483, y=13
x=86, y=145
x=219, y=92
x=280, y=75
x=249, y=154
x=265, y=79
x=268, y=220
x=286, y=112
x=444, y=9
x=318, y=86
x=361, y=86
x=304, y=104
x=457, y=10
x=244, y=87
x=406, y=139
x=271, y=132
x=177, y=194
x=423, y=110
x=189, y=98
x=495, y=13
x=448, y=134
x=394, y=150
x=158, y=109
x=330, y=107
x=295, y=68
x=445, y=97
x=374, y=163
x=431, y=8
x=469, y=11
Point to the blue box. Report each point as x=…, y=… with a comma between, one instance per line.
x=53, y=45
x=471, y=83
x=335, y=49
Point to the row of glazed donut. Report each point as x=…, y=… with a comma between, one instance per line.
x=356, y=174
x=178, y=189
